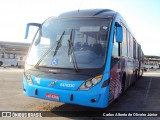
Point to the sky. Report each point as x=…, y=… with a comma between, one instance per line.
x=142, y=16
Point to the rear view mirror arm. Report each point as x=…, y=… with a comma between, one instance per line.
x=28, y=26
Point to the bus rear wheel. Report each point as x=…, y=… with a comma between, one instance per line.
x=123, y=83
x=1, y=63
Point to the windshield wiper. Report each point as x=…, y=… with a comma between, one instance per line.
x=59, y=44
x=71, y=52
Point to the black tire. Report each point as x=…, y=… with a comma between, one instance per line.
x=142, y=73
x=123, y=82
x=136, y=77
x=1, y=63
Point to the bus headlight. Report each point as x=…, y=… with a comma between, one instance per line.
x=90, y=83
x=95, y=80
x=28, y=77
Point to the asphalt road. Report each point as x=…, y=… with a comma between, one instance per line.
x=143, y=96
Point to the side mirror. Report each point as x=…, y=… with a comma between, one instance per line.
x=28, y=26
x=119, y=34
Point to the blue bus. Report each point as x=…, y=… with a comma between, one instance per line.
x=84, y=57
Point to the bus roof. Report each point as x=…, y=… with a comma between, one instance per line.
x=100, y=13
x=97, y=13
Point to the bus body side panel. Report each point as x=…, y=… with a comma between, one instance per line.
x=122, y=67
x=119, y=74
x=115, y=83
x=114, y=87
x=127, y=72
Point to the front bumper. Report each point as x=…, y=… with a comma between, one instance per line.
x=95, y=97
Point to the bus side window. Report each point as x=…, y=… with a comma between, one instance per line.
x=124, y=43
x=115, y=52
x=134, y=49
x=115, y=48
x=130, y=46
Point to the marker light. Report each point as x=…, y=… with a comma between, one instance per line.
x=90, y=83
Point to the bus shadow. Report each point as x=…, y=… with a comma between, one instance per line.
x=73, y=107
x=77, y=111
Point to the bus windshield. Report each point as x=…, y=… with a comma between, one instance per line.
x=70, y=42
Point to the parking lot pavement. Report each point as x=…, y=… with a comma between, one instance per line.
x=143, y=96
x=10, y=69
x=11, y=93
x=154, y=73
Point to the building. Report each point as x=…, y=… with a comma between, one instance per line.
x=151, y=62
x=13, y=50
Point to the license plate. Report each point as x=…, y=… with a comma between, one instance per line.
x=52, y=96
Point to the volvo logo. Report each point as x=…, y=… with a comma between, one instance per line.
x=52, y=83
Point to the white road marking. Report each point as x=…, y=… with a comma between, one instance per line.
x=148, y=90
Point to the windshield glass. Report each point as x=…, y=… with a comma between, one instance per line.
x=62, y=43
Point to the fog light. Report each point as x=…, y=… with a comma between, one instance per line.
x=93, y=100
